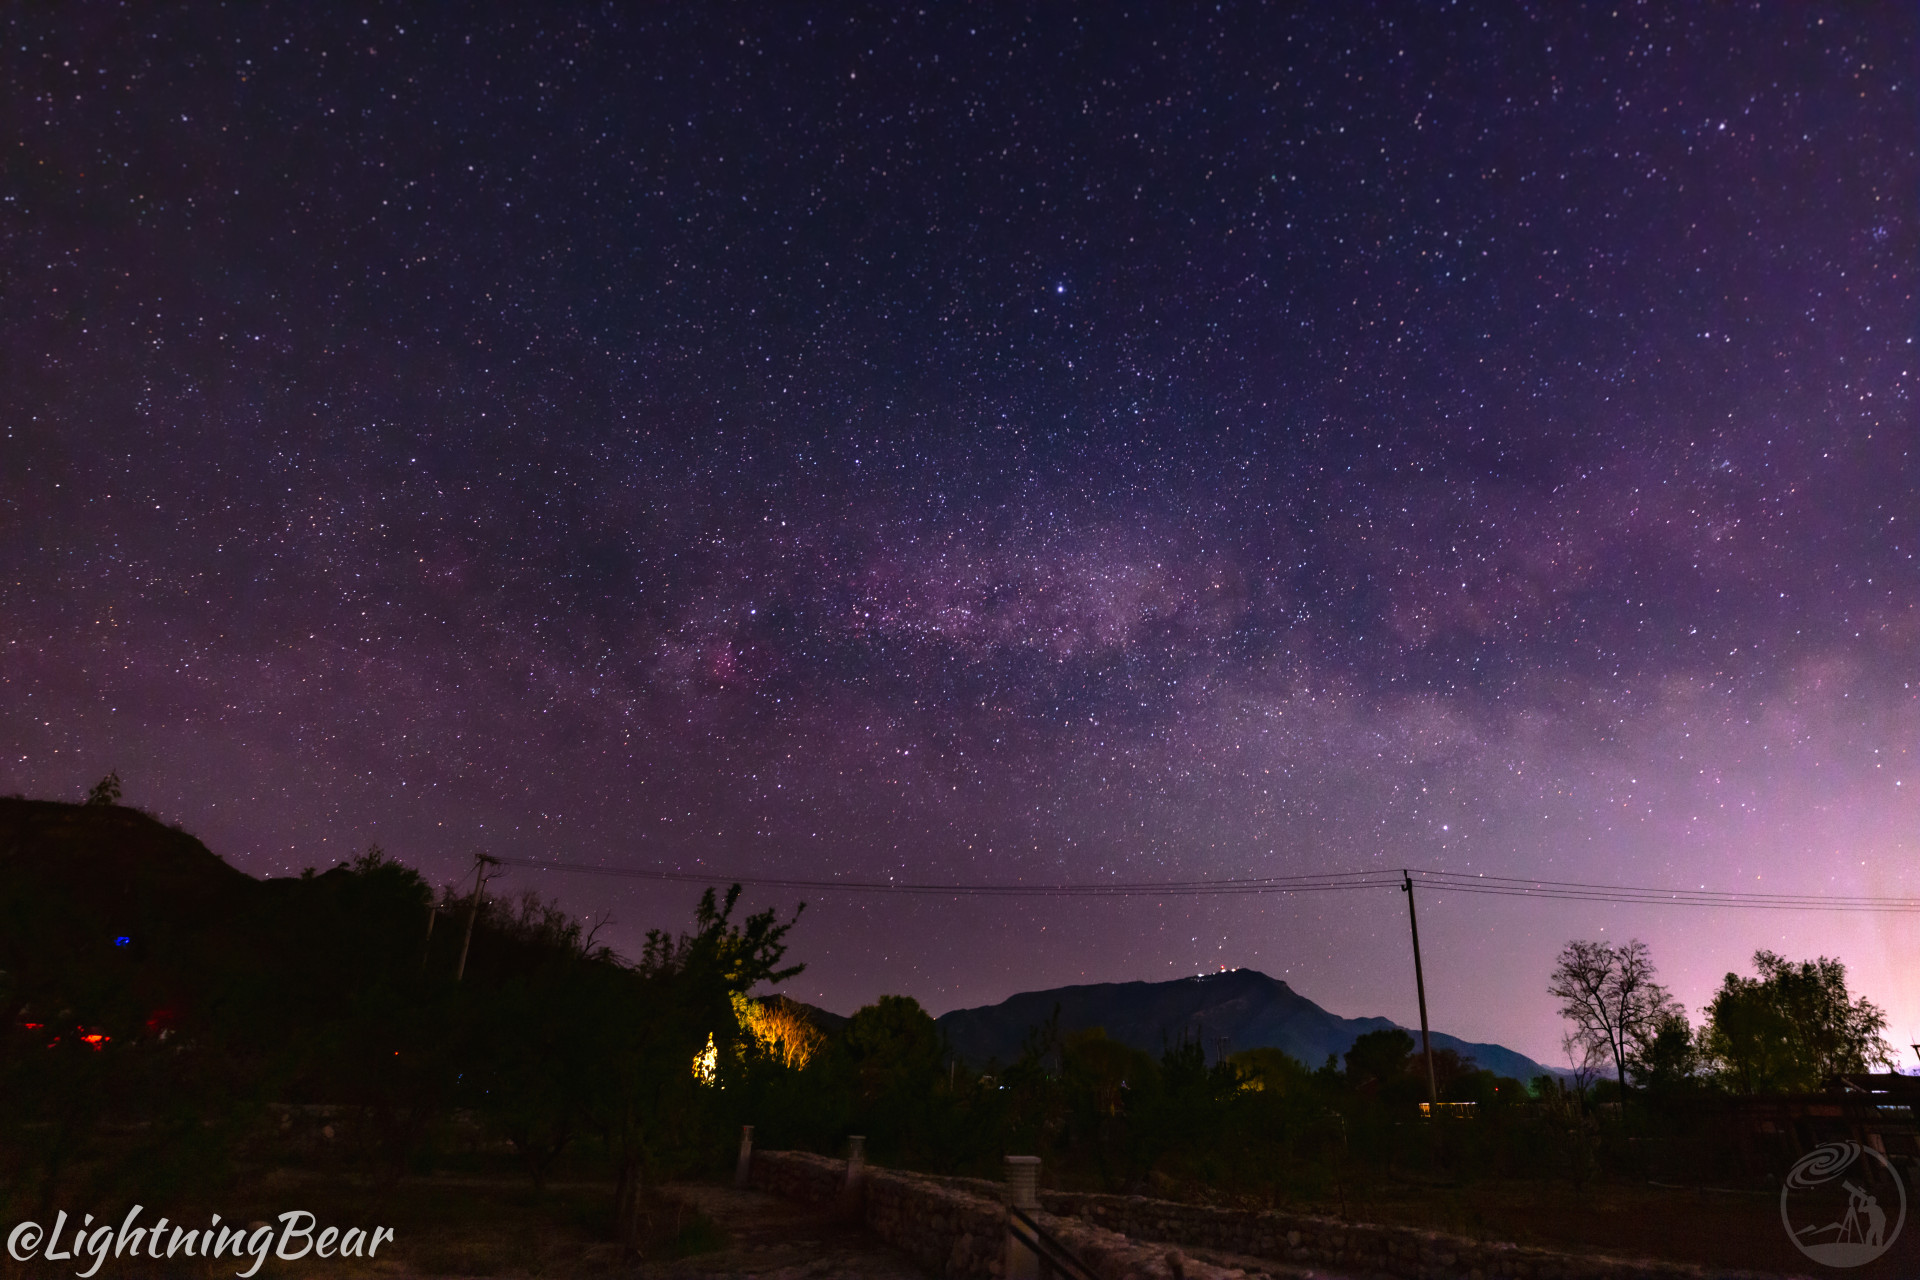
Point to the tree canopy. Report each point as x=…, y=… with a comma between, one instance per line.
x=1791, y=1027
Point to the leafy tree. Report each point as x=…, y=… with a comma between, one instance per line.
x=895, y=1048
x=1379, y=1057
x=1609, y=995
x=1273, y=1071
x=1101, y=1091
x=1670, y=1059
x=1455, y=1076
x=1190, y=1114
x=1186, y=1078
x=895, y=1060
x=1792, y=1027
x=656, y=1017
x=534, y=1066
x=781, y=1031
x=1102, y=1077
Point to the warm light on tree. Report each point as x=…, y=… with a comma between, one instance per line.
x=782, y=1032
x=706, y=1063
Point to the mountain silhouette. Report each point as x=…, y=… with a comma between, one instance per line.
x=106, y=894
x=1241, y=1008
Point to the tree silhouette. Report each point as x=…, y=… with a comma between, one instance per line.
x=657, y=1016
x=1609, y=995
x=1792, y=1027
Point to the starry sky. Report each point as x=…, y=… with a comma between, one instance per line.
x=989, y=443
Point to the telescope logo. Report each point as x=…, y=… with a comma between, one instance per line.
x=1843, y=1205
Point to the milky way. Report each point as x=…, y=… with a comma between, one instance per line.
x=969, y=444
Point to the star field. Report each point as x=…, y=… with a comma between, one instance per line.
x=976, y=444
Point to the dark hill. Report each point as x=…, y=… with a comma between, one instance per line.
x=113, y=919
x=117, y=861
x=1245, y=1007
x=105, y=894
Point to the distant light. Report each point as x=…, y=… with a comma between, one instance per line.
x=123, y=941
x=1059, y=288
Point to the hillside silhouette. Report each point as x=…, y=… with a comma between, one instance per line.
x=99, y=897
x=90, y=886
x=167, y=1018
x=1244, y=1007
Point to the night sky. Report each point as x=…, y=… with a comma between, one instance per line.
x=982, y=443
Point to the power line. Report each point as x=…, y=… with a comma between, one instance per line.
x=1581, y=890
x=1132, y=888
x=1327, y=882
x=1677, y=900
x=1479, y=876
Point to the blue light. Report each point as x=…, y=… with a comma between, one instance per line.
x=123, y=941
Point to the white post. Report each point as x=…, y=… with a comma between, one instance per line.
x=1023, y=1192
x=1023, y=1182
x=856, y=1160
x=850, y=1197
x=743, y=1167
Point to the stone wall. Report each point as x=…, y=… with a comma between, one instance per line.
x=956, y=1228
x=798, y=1175
x=947, y=1231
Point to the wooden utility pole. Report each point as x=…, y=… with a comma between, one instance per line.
x=426, y=945
x=480, y=864
x=1420, y=985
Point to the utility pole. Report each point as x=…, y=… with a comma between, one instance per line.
x=1420, y=985
x=426, y=945
x=480, y=864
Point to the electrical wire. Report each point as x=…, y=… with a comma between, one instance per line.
x=1702, y=896
x=1326, y=882
x=1331, y=881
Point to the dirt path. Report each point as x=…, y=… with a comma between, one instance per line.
x=475, y=1228
x=478, y=1228
x=775, y=1239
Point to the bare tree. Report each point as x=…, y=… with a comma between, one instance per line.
x=1609, y=995
x=1569, y=1106
x=1581, y=1056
